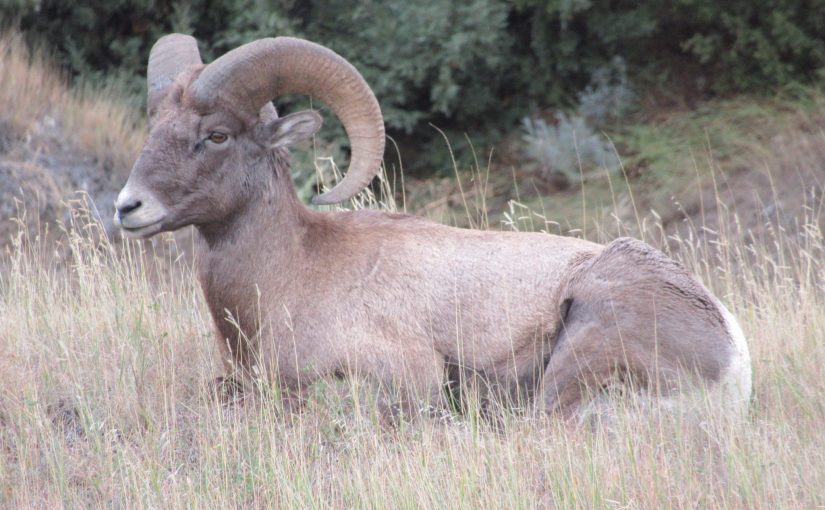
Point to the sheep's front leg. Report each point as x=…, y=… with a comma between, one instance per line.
x=411, y=382
x=227, y=389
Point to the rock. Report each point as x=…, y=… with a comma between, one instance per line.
x=30, y=193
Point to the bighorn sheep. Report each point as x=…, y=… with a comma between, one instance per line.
x=395, y=297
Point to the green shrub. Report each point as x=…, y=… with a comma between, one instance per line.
x=477, y=65
x=754, y=44
x=739, y=45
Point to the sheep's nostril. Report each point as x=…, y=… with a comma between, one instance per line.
x=126, y=209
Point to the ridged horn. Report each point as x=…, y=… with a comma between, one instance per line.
x=248, y=77
x=170, y=55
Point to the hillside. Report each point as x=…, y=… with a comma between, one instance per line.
x=744, y=166
x=107, y=355
x=762, y=159
x=58, y=144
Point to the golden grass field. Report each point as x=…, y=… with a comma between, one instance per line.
x=107, y=355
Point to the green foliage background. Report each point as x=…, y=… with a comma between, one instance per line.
x=474, y=64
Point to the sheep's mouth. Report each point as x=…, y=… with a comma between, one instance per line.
x=144, y=218
x=142, y=231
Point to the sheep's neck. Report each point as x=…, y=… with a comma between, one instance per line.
x=258, y=249
x=268, y=222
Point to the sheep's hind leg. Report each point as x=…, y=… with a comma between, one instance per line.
x=580, y=363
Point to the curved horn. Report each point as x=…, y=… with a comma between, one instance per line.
x=170, y=55
x=248, y=77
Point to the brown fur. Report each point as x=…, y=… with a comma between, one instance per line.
x=636, y=315
x=298, y=294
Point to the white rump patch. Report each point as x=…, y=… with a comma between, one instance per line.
x=735, y=381
x=730, y=395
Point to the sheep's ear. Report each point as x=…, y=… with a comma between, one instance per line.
x=294, y=128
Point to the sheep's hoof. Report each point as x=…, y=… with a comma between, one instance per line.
x=66, y=418
x=227, y=390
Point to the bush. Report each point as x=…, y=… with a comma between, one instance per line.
x=609, y=95
x=739, y=45
x=570, y=148
x=757, y=44
x=480, y=64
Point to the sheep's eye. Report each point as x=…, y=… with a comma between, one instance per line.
x=217, y=137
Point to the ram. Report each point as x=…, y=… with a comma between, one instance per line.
x=297, y=294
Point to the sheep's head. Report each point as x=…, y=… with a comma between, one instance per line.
x=211, y=125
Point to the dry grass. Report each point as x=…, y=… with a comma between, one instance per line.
x=33, y=96
x=29, y=88
x=56, y=141
x=106, y=356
